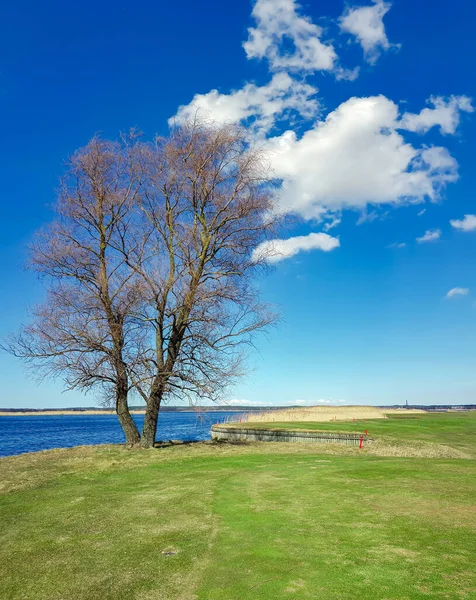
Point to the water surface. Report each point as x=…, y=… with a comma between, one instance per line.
x=19, y=434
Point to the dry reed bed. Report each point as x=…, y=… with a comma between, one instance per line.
x=320, y=414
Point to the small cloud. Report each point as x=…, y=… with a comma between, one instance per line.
x=468, y=223
x=326, y=401
x=347, y=74
x=370, y=217
x=273, y=251
x=422, y=212
x=366, y=24
x=334, y=222
x=241, y=402
x=457, y=291
x=280, y=22
x=446, y=113
x=396, y=245
x=366, y=217
x=430, y=235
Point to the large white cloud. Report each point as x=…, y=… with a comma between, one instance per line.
x=445, y=113
x=259, y=104
x=274, y=251
x=277, y=23
x=366, y=23
x=468, y=223
x=355, y=157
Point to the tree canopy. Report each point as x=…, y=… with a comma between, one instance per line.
x=150, y=269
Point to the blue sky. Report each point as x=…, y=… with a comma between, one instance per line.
x=340, y=95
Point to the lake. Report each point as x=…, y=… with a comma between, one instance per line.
x=21, y=434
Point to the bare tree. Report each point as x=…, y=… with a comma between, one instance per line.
x=152, y=270
x=206, y=206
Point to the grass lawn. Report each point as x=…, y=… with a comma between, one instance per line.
x=231, y=522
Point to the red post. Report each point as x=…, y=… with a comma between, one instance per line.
x=361, y=443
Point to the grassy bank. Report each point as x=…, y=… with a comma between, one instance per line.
x=223, y=522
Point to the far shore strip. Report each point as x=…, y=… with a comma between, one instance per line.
x=311, y=413
x=42, y=413
x=53, y=412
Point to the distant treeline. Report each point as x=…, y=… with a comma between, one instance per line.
x=231, y=408
x=163, y=409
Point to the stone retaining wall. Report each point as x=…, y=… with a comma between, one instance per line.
x=241, y=434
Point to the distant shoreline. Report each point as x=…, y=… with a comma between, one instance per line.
x=65, y=412
x=138, y=410
x=42, y=413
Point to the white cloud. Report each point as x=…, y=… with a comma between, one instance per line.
x=320, y=401
x=278, y=22
x=334, y=222
x=457, y=291
x=244, y=403
x=445, y=113
x=366, y=23
x=421, y=212
x=346, y=74
x=397, y=245
x=468, y=223
x=261, y=105
x=355, y=157
x=370, y=217
x=312, y=402
x=430, y=235
x=273, y=251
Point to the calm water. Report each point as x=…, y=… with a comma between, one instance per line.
x=30, y=434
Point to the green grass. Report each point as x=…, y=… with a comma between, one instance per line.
x=258, y=521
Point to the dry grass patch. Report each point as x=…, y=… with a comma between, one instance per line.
x=416, y=449
x=435, y=510
x=322, y=414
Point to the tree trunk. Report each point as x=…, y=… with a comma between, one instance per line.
x=126, y=421
x=150, y=423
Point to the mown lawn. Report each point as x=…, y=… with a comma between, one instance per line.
x=230, y=522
